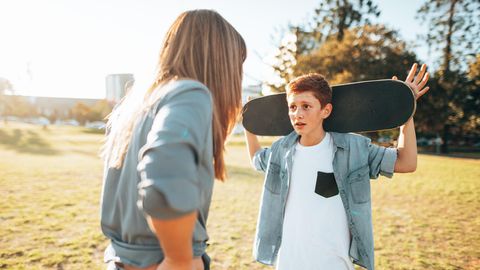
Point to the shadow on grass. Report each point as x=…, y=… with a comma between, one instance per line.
x=26, y=142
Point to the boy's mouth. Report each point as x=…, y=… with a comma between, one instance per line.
x=299, y=124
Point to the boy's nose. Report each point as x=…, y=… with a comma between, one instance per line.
x=298, y=114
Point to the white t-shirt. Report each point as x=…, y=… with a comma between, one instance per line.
x=315, y=231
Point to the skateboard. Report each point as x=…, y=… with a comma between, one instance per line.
x=357, y=107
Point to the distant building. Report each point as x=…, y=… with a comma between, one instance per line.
x=61, y=106
x=48, y=106
x=117, y=86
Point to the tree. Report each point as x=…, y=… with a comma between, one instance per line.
x=99, y=111
x=366, y=53
x=474, y=70
x=334, y=17
x=5, y=86
x=331, y=18
x=472, y=101
x=18, y=106
x=53, y=117
x=455, y=30
x=80, y=112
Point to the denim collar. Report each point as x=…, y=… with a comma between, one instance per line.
x=338, y=140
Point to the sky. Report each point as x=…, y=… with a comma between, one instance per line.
x=66, y=48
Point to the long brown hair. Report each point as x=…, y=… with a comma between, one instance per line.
x=200, y=45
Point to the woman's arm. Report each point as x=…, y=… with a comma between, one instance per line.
x=175, y=236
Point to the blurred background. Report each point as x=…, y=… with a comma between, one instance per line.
x=65, y=64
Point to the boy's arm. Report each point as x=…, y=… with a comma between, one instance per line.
x=258, y=156
x=252, y=141
x=407, y=141
x=252, y=144
x=406, y=149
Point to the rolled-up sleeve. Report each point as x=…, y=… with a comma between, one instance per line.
x=260, y=159
x=169, y=185
x=381, y=160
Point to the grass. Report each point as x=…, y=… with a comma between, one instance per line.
x=50, y=183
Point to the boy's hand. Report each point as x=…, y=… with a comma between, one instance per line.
x=417, y=83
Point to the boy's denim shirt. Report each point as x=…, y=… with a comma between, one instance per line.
x=355, y=161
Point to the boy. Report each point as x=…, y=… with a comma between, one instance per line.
x=315, y=211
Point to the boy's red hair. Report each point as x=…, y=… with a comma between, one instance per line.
x=312, y=82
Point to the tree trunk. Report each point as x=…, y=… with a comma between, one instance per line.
x=342, y=16
x=448, y=46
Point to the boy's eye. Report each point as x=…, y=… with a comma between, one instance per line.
x=305, y=106
x=292, y=107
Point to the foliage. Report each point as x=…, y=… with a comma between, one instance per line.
x=97, y=112
x=366, y=53
x=80, y=112
x=5, y=86
x=18, y=106
x=454, y=29
x=331, y=19
x=100, y=110
x=471, y=104
x=83, y=113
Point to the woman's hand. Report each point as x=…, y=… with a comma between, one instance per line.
x=417, y=83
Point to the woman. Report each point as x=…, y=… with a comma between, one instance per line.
x=163, y=151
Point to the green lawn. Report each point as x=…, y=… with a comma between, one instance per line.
x=50, y=181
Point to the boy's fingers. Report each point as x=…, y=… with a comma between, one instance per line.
x=412, y=72
x=422, y=92
x=420, y=74
x=394, y=78
x=424, y=81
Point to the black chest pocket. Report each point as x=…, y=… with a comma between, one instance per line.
x=326, y=186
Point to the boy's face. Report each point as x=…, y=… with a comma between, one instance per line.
x=306, y=113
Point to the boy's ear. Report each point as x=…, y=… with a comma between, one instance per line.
x=327, y=110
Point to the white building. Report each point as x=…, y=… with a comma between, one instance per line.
x=117, y=86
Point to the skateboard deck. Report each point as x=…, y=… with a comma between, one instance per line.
x=357, y=107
